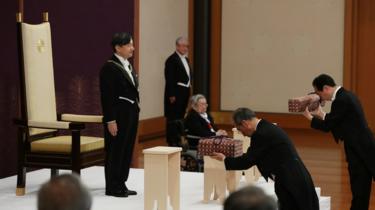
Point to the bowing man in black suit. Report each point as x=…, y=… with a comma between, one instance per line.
x=274, y=154
x=347, y=122
x=177, y=88
x=120, y=105
x=198, y=122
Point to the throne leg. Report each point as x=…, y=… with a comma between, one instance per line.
x=76, y=151
x=21, y=169
x=54, y=172
x=77, y=171
x=21, y=181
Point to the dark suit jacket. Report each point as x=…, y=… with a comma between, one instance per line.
x=117, y=90
x=270, y=149
x=347, y=122
x=174, y=72
x=197, y=125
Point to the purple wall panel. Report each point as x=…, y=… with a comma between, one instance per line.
x=8, y=87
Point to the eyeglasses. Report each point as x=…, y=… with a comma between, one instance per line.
x=238, y=126
x=203, y=104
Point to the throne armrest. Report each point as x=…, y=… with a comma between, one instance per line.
x=49, y=124
x=82, y=118
x=56, y=125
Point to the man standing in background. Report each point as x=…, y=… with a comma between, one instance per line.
x=120, y=104
x=177, y=88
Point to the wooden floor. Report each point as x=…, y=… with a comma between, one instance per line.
x=326, y=162
x=324, y=159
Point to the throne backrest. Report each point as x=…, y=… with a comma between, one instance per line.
x=38, y=74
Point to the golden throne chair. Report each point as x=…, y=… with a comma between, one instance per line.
x=39, y=143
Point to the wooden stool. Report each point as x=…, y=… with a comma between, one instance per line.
x=217, y=180
x=162, y=177
x=252, y=174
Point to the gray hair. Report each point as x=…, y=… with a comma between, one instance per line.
x=64, y=192
x=181, y=38
x=242, y=114
x=194, y=100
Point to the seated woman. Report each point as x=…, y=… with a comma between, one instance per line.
x=198, y=122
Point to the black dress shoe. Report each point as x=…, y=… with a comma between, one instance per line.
x=131, y=192
x=119, y=193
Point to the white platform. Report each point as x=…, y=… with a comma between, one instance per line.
x=191, y=191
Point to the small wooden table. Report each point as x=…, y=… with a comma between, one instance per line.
x=252, y=174
x=218, y=180
x=162, y=177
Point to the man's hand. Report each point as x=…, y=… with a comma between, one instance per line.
x=221, y=133
x=172, y=99
x=218, y=156
x=319, y=113
x=112, y=128
x=307, y=114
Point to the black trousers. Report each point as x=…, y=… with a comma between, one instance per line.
x=119, y=149
x=294, y=188
x=175, y=111
x=360, y=179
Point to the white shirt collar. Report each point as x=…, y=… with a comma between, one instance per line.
x=204, y=115
x=334, y=93
x=127, y=67
x=256, y=126
x=123, y=61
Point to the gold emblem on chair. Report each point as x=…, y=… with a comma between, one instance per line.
x=40, y=46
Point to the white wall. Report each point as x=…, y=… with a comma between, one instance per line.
x=272, y=49
x=161, y=22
